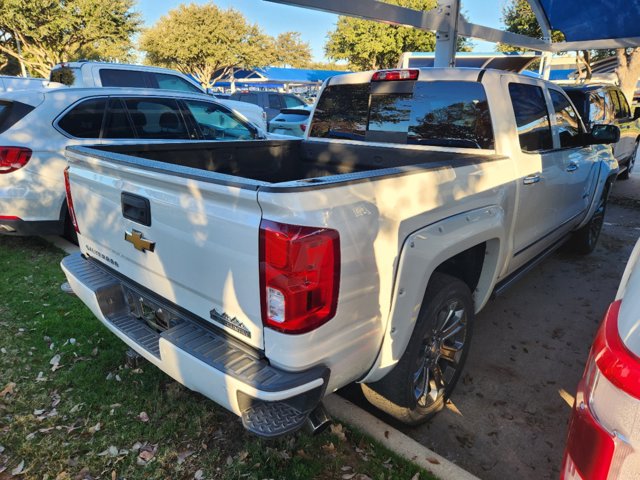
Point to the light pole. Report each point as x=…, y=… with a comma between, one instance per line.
x=23, y=68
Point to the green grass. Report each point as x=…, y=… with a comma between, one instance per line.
x=49, y=419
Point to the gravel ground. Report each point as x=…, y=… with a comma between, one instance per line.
x=509, y=413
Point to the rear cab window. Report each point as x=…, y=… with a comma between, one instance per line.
x=437, y=113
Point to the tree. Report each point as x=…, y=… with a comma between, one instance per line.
x=54, y=31
x=628, y=70
x=519, y=18
x=329, y=66
x=370, y=45
x=207, y=42
x=291, y=51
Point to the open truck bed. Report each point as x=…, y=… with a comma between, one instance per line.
x=280, y=163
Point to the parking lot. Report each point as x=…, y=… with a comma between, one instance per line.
x=509, y=413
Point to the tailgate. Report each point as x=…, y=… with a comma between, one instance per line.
x=202, y=253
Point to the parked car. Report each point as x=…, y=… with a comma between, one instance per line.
x=291, y=121
x=604, y=434
x=606, y=104
x=102, y=74
x=271, y=102
x=9, y=83
x=37, y=125
x=359, y=253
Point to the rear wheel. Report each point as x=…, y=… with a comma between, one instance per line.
x=69, y=232
x=424, y=378
x=632, y=161
x=585, y=239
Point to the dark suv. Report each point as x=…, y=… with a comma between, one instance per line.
x=598, y=103
x=272, y=102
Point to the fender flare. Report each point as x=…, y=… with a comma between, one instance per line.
x=422, y=252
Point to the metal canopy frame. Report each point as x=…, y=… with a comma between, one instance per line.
x=447, y=22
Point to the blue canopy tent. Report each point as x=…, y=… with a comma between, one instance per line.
x=586, y=24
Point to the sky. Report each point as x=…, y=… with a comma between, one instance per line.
x=313, y=25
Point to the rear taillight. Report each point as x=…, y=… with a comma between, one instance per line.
x=299, y=276
x=72, y=212
x=303, y=127
x=13, y=158
x=593, y=452
x=394, y=75
x=613, y=358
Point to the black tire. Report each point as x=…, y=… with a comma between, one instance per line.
x=424, y=378
x=584, y=240
x=632, y=161
x=69, y=232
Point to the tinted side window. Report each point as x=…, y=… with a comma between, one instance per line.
x=291, y=102
x=11, y=113
x=157, y=118
x=451, y=113
x=566, y=120
x=615, y=101
x=249, y=98
x=117, y=123
x=532, y=117
x=84, y=120
x=173, y=82
x=216, y=123
x=111, y=77
x=342, y=112
x=598, y=109
x=274, y=101
x=625, y=111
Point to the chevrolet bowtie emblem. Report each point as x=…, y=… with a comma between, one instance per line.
x=135, y=237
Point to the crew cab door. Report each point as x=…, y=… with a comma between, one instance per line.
x=622, y=117
x=578, y=167
x=540, y=171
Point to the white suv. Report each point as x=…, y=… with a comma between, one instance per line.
x=37, y=125
x=104, y=74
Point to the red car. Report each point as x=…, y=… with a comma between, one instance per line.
x=604, y=432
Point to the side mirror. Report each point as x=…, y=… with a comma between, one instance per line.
x=636, y=113
x=603, y=135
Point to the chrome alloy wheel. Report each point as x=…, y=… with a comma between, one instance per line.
x=440, y=354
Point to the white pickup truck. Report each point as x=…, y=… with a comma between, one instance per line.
x=268, y=274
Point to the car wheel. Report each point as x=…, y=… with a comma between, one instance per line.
x=632, y=161
x=69, y=232
x=424, y=378
x=585, y=239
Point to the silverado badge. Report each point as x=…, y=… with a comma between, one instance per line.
x=135, y=237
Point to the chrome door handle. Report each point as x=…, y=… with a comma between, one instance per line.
x=531, y=179
x=573, y=166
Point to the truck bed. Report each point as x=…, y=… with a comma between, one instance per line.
x=278, y=161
